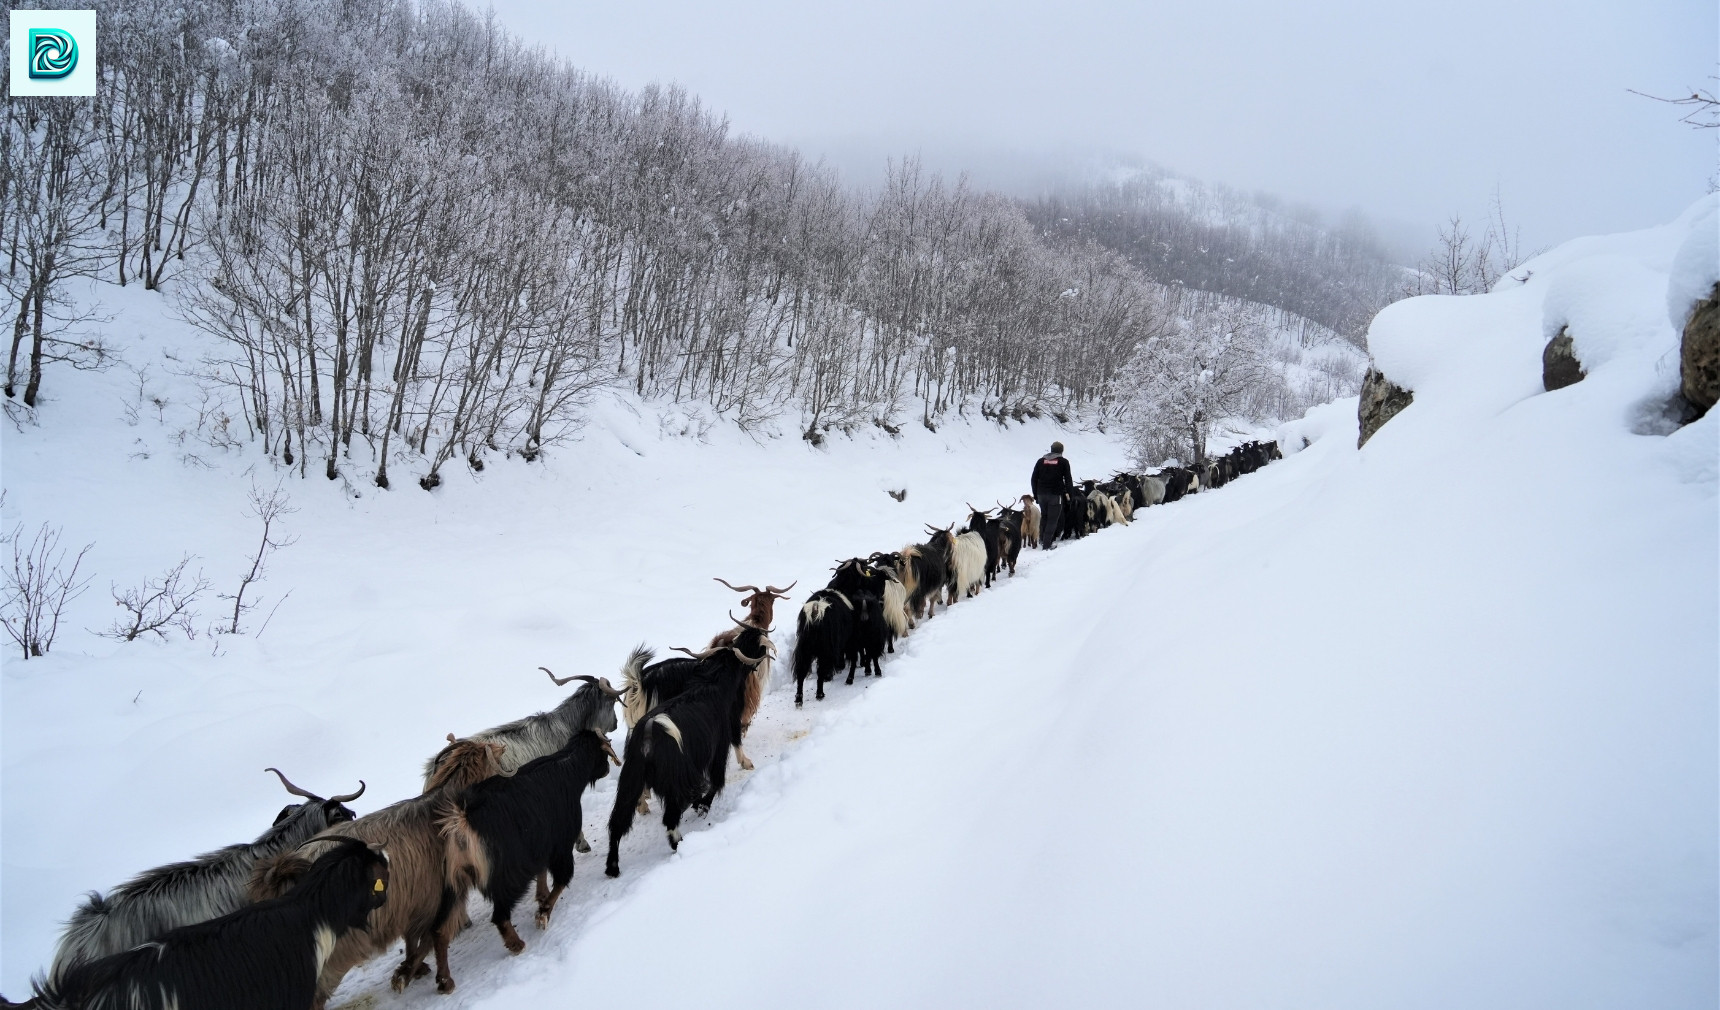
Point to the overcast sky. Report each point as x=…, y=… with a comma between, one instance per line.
x=1408, y=112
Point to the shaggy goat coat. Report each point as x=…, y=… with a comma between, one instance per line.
x=527, y=739
x=967, y=574
x=261, y=957
x=679, y=750
x=179, y=894
x=420, y=902
x=821, y=637
x=502, y=832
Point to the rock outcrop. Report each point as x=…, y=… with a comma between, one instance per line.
x=1699, y=354
x=1559, y=364
x=1381, y=401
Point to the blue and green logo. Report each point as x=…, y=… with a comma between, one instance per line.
x=53, y=54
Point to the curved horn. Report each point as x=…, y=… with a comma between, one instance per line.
x=559, y=681
x=295, y=790
x=682, y=648
x=778, y=592
x=606, y=687
x=750, y=627
x=450, y=738
x=349, y=797
x=738, y=589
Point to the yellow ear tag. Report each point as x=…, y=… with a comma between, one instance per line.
x=379, y=886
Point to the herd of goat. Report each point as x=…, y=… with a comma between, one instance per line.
x=276, y=923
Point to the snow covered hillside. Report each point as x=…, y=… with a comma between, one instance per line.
x=1432, y=723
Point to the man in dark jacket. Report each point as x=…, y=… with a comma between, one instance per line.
x=1051, y=481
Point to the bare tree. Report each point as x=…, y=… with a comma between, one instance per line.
x=268, y=507
x=159, y=605
x=38, y=587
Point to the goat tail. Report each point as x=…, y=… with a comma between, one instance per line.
x=909, y=569
x=633, y=700
x=896, y=607
x=466, y=862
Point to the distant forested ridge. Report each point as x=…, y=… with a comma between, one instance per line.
x=418, y=239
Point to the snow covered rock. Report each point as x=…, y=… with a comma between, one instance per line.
x=1699, y=353
x=1381, y=401
x=1559, y=364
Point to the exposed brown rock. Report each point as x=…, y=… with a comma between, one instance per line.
x=1699, y=354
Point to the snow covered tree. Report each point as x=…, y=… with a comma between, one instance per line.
x=1180, y=384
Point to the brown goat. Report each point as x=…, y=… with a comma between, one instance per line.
x=417, y=909
x=761, y=605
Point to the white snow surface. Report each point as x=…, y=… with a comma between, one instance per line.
x=1428, y=724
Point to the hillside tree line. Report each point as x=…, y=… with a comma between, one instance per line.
x=419, y=241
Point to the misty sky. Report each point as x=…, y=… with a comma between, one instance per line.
x=1406, y=112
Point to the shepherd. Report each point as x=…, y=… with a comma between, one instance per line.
x=1052, y=480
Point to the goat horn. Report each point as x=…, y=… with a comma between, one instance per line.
x=742, y=624
x=609, y=748
x=738, y=589
x=288, y=783
x=606, y=687
x=682, y=648
x=450, y=738
x=559, y=681
x=778, y=592
x=349, y=797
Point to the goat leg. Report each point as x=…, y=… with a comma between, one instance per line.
x=741, y=758
x=510, y=939
x=444, y=977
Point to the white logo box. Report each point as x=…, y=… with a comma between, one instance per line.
x=81, y=25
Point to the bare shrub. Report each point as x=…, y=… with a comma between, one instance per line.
x=38, y=587
x=160, y=605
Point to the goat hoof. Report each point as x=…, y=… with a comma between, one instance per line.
x=398, y=982
x=422, y=970
x=582, y=846
x=514, y=946
x=542, y=918
x=445, y=984
x=746, y=765
x=612, y=870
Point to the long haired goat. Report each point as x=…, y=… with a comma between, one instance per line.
x=504, y=831
x=197, y=890
x=680, y=749
x=590, y=707
x=821, y=637
x=261, y=957
x=1029, y=522
x=925, y=570
x=420, y=905
x=967, y=574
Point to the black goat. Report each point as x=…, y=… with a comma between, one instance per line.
x=1009, y=537
x=262, y=957
x=981, y=522
x=679, y=750
x=869, y=637
x=822, y=631
x=925, y=570
x=503, y=832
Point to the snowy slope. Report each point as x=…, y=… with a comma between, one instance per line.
x=410, y=614
x=1432, y=723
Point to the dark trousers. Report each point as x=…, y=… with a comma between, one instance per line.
x=1050, y=511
